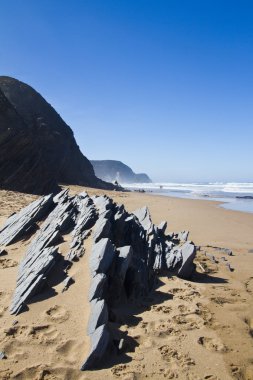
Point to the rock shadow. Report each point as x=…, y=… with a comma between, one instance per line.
x=204, y=278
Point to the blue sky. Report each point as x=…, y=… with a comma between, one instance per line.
x=166, y=86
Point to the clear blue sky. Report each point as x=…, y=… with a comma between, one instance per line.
x=166, y=86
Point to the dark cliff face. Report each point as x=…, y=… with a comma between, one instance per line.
x=111, y=170
x=38, y=149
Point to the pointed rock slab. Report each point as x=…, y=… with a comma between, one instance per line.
x=122, y=263
x=144, y=218
x=33, y=279
x=103, y=203
x=84, y=221
x=41, y=255
x=99, y=342
x=102, y=256
x=187, y=267
x=18, y=224
x=98, y=315
x=61, y=196
x=97, y=286
x=173, y=258
x=102, y=229
x=183, y=236
x=87, y=214
x=162, y=227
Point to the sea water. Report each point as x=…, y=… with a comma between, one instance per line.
x=232, y=195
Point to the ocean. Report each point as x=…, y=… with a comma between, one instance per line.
x=232, y=195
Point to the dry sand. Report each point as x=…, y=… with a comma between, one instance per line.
x=189, y=330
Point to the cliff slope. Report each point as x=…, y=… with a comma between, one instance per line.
x=38, y=149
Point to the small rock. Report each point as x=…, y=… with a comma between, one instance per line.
x=2, y=355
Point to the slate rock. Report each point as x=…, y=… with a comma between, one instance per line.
x=174, y=258
x=162, y=227
x=183, y=236
x=102, y=256
x=97, y=287
x=2, y=355
x=122, y=262
x=102, y=229
x=41, y=255
x=144, y=218
x=31, y=278
x=98, y=315
x=187, y=266
x=100, y=340
x=17, y=225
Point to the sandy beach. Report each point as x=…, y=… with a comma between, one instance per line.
x=189, y=330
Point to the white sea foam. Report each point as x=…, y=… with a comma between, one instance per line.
x=227, y=192
x=211, y=188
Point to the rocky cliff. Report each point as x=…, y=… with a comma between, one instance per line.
x=38, y=149
x=110, y=170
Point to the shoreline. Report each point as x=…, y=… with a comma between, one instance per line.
x=220, y=202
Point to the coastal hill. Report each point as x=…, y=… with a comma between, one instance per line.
x=38, y=149
x=111, y=170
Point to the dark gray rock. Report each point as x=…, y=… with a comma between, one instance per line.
x=3, y=252
x=97, y=286
x=174, y=258
x=31, y=278
x=162, y=227
x=41, y=255
x=102, y=229
x=100, y=340
x=183, y=236
x=98, y=315
x=2, y=355
x=122, y=263
x=187, y=266
x=62, y=196
x=103, y=203
x=17, y=225
x=102, y=256
x=66, y=283
x=144, y=217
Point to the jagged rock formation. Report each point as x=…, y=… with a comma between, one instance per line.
x=128, y=254
x=111, y=170
x=38, y=149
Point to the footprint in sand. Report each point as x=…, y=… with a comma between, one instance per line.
x=164, y=328
x=5, y=374
x=188, y=322
x=122, y=371
x=204, y=313
x=185, y=294
x=36, y=372
x=44, y=333
x=212, y=344
x=57, y=314
x=162, y=308
x=2, y=310
x=7, y=263
x=249, y=322
x=174, y=357
x=14, y=351
x=249, y=285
